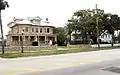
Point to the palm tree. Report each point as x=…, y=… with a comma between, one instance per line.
x=3, y=5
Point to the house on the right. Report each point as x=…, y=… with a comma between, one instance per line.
x=105, y=37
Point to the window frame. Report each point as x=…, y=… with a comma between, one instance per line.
x=36, y=30
x=48, y=30
x=26, y=29
x=44, y=30
x=40, y=30
x=32, y=29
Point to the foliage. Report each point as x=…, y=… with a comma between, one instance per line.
x=3, y=4
x=84, y=21
x=61, y=35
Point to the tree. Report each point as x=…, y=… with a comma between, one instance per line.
x=71, y=26
x=84, y=21
x=112, y=25
x=61, y=36
x=3, y=5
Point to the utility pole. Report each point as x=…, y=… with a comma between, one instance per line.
x=98, y=41
x=3, y=5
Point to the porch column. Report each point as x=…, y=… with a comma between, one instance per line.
x=23, y=38
x=35, y=38
x=55, y=38
x=38, y=40
x=29, y=40
x=19, y=40
x=55, y=41
x=45, y=39
x=11, y=39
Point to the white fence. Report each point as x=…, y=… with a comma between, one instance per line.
x=104, y=45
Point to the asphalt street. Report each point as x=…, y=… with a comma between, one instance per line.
x=88, y=69
x=85, y=63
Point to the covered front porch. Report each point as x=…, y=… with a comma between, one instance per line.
x=31, y=40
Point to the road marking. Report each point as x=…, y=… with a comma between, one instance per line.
x=65, y=65
x=55, y=64
x=32, y=69
x=92, y=60
x=24, y=70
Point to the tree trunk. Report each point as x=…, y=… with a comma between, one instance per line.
x=70, y=39
x=2, y=34
x=112, y=40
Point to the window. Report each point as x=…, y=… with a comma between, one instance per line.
x=40, y=30
x=37, y=30
x=45, y=30
x=102, y=36
x=48, y=30
x=32, y=29
x=16, y=30
x=26, y=29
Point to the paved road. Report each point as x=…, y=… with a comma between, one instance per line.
x=30, y=65
x=88, y=69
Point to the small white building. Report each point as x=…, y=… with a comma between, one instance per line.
x=73, y=37
x=106, y=37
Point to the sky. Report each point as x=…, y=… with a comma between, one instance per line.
x=57, y=11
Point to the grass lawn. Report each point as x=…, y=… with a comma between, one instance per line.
x=53, y=52
x=62, y=46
